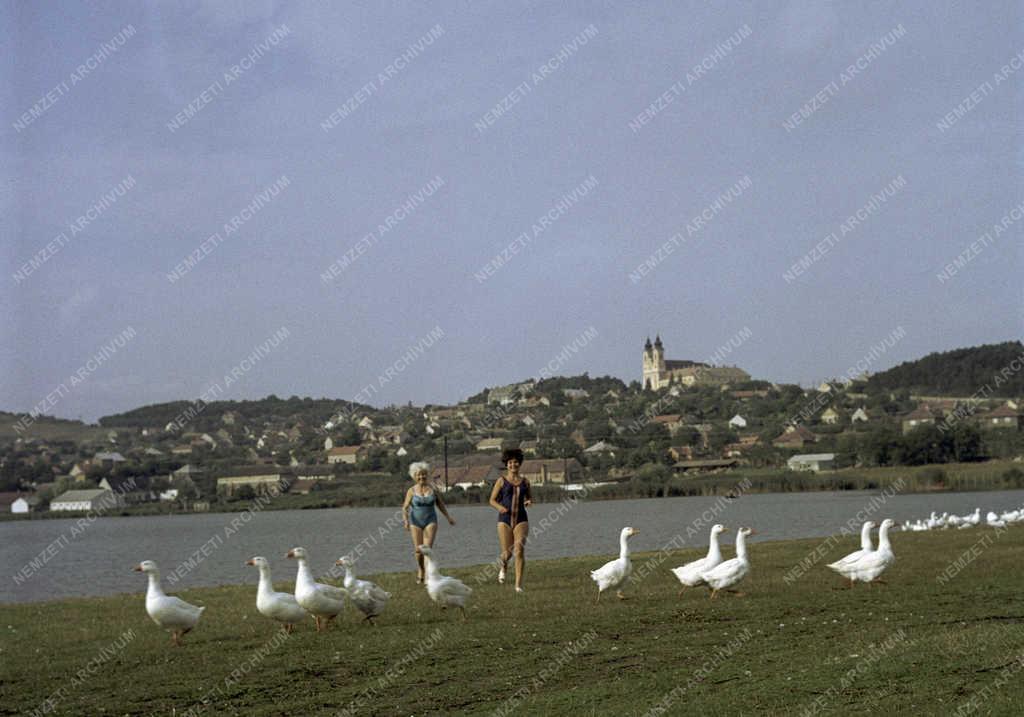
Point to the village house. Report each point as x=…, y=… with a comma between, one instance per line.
x=921, y=416
x=601, y=447
x=681, y=453
x=131, y=489
x=489, y=444
x=263, y=479
x=24, y=504
x=830, y=416
x=85, y=500
x=813, y=462
x=709, y=465
x=468, y=476
x=313, y=473
x=672, y=421
x=859, y=416
x=795, y=436
x=345, y=454
x=738, y=421
x=1002, y=417
x=542, y=471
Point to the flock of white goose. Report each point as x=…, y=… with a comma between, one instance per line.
x=324, y=602
x=971, y=520
x=321, y=601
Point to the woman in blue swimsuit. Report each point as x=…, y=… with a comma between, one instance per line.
x=511, y=497
x=419, y=514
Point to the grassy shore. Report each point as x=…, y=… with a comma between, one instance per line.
x=938, y=635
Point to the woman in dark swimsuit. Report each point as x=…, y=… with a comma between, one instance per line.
x=511, y=497
x=419, y=514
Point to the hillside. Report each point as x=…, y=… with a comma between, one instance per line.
x=960, y=372
x=315, y=411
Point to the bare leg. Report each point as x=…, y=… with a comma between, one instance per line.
x=429, y=533
x=505, y=539
x=417, y=541
x=521, y=532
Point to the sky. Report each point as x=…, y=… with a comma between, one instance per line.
x=432, y=198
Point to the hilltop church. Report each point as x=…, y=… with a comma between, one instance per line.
x=660, y=372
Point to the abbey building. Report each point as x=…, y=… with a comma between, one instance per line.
x=659, y=372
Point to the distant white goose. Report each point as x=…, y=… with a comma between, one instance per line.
x=442, y=589
x=615, y=572
x=994, y=521
x=322, y=601
x=369, y=597
x=865, y=547
x=868, y=568
x=729, y=573
x=690, y=575
x=169, y=612
x=282, y=607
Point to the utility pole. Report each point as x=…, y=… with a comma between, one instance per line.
x=446, y=464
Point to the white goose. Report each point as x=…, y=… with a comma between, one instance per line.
x=322, y=601
x=690, y=574
x=729, y=573
x=872, y=565
x=369, y=597
x=169, y=612
x=442, y=589
x=615, y=572
x=278, y=606
x=865, y=547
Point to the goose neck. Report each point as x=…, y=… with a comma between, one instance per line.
x=430, y=567
x=714, y=549
x=623, y=547
x=741, y=546
x=154, y=587
x=883, y=538
x=865, y=538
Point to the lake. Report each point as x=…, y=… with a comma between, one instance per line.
x=54, y=559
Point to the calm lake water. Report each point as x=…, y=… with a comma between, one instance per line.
x=98, y=559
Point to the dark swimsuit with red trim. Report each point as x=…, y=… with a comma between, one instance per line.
x=513, y=497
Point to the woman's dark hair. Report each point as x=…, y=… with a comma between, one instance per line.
x=510, y=453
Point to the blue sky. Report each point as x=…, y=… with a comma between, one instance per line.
x=563, y=125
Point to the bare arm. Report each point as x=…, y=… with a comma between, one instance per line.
x=529, y=495
x=443, y=508
x=494, y=497
x=405, y=508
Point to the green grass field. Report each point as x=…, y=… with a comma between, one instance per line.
x=918, y=645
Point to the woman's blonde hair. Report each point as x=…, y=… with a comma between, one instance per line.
x=417, y=467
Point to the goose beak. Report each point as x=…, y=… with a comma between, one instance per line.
x=137, y=569
x=753, y=532
x=291, y=554
x=249, y=562
x=339, y=562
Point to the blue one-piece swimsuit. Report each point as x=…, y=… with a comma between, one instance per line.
x=421, y=511
x=514, y=498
